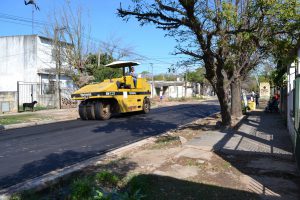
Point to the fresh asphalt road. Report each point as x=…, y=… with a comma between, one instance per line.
x=33, y=151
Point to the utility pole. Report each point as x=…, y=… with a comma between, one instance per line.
x=32, y=20
x=185, y=82
x=57, y=47
x=152, y=85
x=99, y=58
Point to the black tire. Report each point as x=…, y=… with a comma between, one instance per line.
x=90, y=111
x=82, y=111
x=146, y=105
x=102, y=110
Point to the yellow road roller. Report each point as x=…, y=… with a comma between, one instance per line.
x=117, y=95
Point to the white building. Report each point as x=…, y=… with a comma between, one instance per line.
x=293, y=104
x=29, y=59
x=175, y=89
x=293, y=71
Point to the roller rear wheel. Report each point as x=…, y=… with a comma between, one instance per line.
x=90, y=111
x=82, y=111
x=146, y=105
x=102, y=110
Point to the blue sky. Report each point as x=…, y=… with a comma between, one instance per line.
x=101, y=16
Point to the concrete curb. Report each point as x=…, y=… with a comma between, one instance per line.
x=29, y=124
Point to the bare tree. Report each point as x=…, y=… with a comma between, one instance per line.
x=71, y=43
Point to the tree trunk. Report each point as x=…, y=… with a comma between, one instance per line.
x=222, y=97
x=236, y=103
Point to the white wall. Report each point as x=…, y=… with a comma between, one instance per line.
x=45, y=57
x=290, y=99
x=24, y=58
x=17, y=61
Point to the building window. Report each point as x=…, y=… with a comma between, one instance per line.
x=49, y=88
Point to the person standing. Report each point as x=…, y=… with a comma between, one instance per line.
x=133, y=76
x=257, y=99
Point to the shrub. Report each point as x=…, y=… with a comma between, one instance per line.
x=107, y=178
x=82, y=188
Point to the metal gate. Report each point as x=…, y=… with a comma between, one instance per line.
x=45, y=94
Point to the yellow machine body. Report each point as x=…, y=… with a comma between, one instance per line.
x=117, y=95
x=129, y=99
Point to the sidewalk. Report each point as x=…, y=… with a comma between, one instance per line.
x=262, y=151
x=253, y=162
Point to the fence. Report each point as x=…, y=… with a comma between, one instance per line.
x=45, y=94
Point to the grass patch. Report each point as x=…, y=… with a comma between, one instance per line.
x=37, y=108
x=22, y=118
x=107, y=178
x=15, y=119
x=106, y=185
x=165, y=141
x=82, y=188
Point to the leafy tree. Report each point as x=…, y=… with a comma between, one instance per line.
x=159, y=77
x=196, y=76
x=223, y=34
x=100, y=72
x=170, y=77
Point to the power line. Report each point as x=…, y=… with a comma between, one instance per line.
x=22, y=21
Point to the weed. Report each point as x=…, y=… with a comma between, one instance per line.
x=27, y=194
x=14, y=119
x=101, y=196
x=43, y=107
x=15, y=197
x=226, y=165
x=115, y=162
x=82, y=188
x=136, y=195
x=107, y=178
x=166, y=139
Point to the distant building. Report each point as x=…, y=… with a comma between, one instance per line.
x=178, y=89
x=29, y=60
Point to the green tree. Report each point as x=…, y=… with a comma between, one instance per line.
x=197, y=76
x=101, y=72
x=225, y=35
x=159, y=77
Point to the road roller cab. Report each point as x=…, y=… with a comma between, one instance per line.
x=117, y=95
